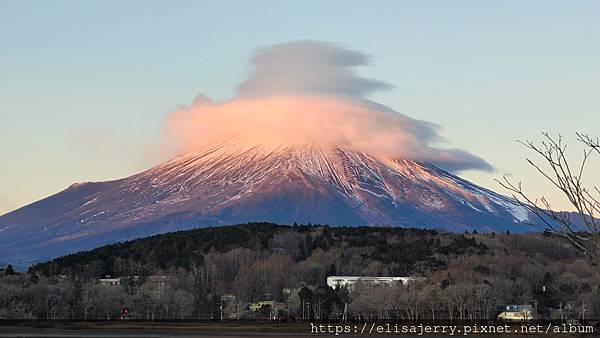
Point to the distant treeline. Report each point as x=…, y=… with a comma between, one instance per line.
x=225, y=271
x=398, y=248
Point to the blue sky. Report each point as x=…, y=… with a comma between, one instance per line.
x=85, y=86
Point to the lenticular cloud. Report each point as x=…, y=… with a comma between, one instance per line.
x=308, y=92
x=308, y=67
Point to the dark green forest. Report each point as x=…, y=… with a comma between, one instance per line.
x=399, y=248
x=227, y=271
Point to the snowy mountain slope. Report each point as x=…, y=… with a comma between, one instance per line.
x=236, y=182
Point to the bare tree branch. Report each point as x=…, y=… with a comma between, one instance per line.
x=557, y=170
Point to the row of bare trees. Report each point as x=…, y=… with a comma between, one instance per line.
x=518, y=269
x=418, y=302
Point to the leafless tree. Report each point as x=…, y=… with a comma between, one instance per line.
x=87, y=299
x=568, y=179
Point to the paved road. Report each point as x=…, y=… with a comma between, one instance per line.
x=15, y=332
x=30, y=333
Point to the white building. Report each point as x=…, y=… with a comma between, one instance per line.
x=110, y=281
x=350, y=281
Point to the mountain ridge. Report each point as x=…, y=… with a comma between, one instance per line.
x=236, y=182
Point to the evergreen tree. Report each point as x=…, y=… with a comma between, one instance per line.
x=9, y=270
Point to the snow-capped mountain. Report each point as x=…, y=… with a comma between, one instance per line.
x=236, y=183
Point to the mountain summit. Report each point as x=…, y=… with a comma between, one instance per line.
x=236, y=182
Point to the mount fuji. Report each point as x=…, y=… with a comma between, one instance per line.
x=235, y=182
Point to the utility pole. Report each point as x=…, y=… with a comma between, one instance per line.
x=561, y=312
x=221, y=308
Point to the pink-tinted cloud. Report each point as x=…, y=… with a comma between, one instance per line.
x=308, y=93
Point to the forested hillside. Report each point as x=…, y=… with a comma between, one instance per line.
x=395, y=248
x=191, y=274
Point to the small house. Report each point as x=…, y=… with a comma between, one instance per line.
x=517, y=313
